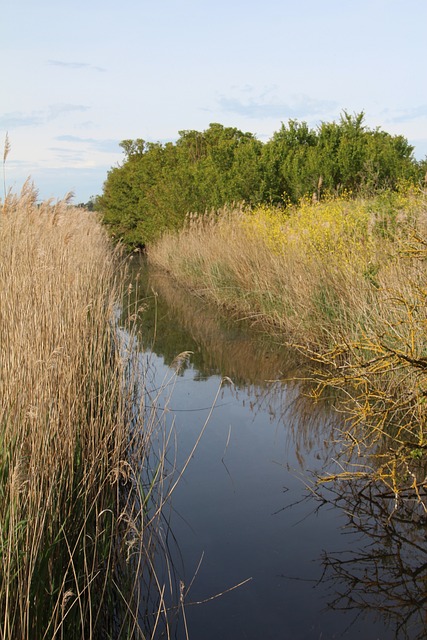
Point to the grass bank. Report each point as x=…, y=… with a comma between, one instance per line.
x=344, y=281
x=80, y=499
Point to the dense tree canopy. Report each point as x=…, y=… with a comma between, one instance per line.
x=158, y=184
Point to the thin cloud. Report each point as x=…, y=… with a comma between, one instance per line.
x=75, y=65
x=68, y=155
x=298, y=107
x=106, y=146
x=56, y=110
x=68, y=138
x=406, y=115
x=87, y=124
x=17, y=119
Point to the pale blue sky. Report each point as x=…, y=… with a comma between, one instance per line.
x=77, y=77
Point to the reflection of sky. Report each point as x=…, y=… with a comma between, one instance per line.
x=233, y=507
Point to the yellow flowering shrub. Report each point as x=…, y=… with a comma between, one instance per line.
x=321, y=227
x=332, y=226
x=266, y=223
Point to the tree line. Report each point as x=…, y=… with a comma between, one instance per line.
x=158, y=184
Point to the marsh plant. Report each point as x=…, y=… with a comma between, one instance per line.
x=80, y=502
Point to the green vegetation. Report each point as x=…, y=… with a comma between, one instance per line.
x=81, y=483
x=159, y=184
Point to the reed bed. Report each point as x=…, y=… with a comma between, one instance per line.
x=81, y=483
x=310, y=273
x=343, y=281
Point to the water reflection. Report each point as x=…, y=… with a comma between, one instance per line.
x=171, y=318
x=387, y=573
x=264, y=440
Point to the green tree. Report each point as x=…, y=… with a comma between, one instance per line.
x=351, y=152
x=289, y=163
x=158, y=184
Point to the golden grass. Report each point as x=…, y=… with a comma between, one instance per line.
x=76, y=526
x=311, y=273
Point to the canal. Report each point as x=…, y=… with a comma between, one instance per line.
x=253, y=551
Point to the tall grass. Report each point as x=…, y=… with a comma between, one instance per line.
x=343, y=280
x=311, y=273
x=307, y=272
x=79, y=501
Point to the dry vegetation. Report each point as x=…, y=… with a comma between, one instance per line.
x=343, y=280
x=80, y=497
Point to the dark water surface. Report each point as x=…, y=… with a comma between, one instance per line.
x=243, y=510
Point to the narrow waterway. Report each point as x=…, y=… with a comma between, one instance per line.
x=309, y=567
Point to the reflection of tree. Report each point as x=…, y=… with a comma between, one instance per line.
x=175, y=321
x=388, y=575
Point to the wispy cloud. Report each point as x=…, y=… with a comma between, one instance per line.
x=76, y=65
x=68, y=155
x=17, y=119
x=56, y=110
x=301, y=106
x=105, y=146
x=406, y=115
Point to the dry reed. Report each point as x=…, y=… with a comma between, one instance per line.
x=79, y=501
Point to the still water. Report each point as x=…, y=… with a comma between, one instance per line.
x=310, y=567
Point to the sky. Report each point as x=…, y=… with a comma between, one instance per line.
x=79, y=76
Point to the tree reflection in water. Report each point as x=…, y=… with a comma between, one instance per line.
x=389, y=575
